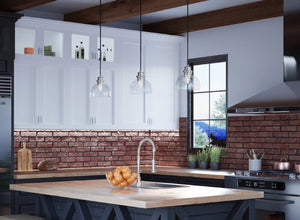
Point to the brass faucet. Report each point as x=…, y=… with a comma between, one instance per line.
x=139, y=184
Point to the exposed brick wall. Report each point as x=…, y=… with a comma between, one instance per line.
x=278, y=135
x=99, y=148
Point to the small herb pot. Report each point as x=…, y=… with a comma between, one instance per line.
x=192, y=164
x=214, y=165
x=203, y=164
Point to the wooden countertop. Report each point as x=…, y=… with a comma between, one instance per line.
x=77, y=172
x=103, y=192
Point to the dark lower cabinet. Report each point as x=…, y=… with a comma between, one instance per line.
x=28, y=203
x=183, y=180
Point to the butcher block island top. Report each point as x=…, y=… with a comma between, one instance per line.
x=101, y=191
x=160, y=170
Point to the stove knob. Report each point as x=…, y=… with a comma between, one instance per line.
x=255, y=184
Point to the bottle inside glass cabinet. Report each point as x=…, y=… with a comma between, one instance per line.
x=77, y=53
x=81, y=49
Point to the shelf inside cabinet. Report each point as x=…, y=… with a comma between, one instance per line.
x=53, y=44
x=107, y=49
x=25, y=41
x=80, y=46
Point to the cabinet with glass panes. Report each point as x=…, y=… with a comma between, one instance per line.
x=47, y=38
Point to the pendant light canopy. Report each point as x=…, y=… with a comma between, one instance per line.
x=140, y=85
x=187, y=80
x=100, y=89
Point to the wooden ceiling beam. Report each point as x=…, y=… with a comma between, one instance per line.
x=228, y=16
x=19, y=5
x=121, y=9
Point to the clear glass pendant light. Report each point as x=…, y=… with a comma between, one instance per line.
x=100, y=89
x=187, y=80
x=140, y=85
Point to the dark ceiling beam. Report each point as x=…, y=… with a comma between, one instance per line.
x=228, y=16
x=19, y=5
x=121, y=9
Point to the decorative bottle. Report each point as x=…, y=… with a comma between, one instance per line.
x=77, y=52
x=81, y=49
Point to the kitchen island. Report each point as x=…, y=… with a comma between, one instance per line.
x=97, y=199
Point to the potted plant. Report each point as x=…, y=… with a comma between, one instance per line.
x=203, y=156
x=192, y=160
x=214, y=155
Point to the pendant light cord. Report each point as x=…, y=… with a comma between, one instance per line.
x=187, y=31
x=141, y=29
x=100, y=25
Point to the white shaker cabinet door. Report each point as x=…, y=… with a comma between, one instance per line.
x=131, y=108
x=49, y=84
x=24, y=96
x=161, y=68
x=78, y=96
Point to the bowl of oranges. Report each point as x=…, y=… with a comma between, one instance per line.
x=121, y=176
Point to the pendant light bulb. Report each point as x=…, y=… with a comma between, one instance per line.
x=140, y=79
x=187, y=72
x=100, y=82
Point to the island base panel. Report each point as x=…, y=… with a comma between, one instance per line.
x=52, y=208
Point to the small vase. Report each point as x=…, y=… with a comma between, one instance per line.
x=192, y=164
x=214, y=165
x=203, y=164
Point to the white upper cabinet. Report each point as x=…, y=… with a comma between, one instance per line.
x=57, y=64
x=38, y=95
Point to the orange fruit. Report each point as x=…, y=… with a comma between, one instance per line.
x=126, y=175
x=109, y=175
x=114, y=182
x=123, y=184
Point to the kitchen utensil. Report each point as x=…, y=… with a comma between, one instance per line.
x=24, y=157
x=283, y=164
x=297, y=168
x=258, y=155
x=254, y=154
x=248, y=154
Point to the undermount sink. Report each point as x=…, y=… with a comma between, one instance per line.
x=147, y=185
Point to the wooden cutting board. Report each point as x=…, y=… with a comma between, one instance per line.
x=24, y=158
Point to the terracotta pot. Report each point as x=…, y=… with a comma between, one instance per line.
x=283, y=164
x=297, y=168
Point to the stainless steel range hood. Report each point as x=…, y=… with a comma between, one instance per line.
x=286, y=95
x=282, y=97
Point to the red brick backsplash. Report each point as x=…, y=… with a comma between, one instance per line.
x=278, y=135
x=99, y=148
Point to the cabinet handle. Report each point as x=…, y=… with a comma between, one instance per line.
x=95, y=120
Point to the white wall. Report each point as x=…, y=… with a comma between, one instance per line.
x=255, y=56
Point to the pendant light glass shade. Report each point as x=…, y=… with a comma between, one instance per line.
x=140, y=85
x=100, y=89
x=187, y=80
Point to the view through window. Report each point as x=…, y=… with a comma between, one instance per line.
x=208, y=102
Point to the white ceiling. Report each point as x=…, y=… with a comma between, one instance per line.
x=56, y=9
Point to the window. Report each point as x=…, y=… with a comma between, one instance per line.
x=207, y=108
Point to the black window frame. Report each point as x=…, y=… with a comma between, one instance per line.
x=190, y=94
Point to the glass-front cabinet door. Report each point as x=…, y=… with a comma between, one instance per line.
x=31, y=41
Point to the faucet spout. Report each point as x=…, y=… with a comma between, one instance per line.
x=139, y=184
